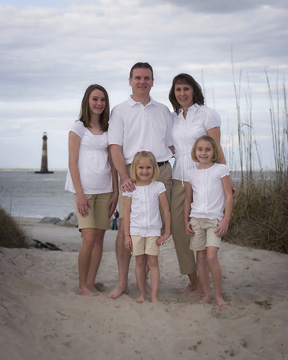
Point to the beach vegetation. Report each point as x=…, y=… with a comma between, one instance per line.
x=11, y=235
x=260, y=212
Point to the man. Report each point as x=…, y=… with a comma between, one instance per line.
x=140, y=123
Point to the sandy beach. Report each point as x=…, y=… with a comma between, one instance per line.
x=43, y=317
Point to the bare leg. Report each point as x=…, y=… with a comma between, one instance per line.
x=140, y=263
x=84, y=260
x=203, y=272
x=216, y=274
x=96, y=257
x=155, y=276
x=123, y=261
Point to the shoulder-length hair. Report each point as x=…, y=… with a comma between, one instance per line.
x=198, y=97
x=138, y=156
x=85, y=115
x=215, y=157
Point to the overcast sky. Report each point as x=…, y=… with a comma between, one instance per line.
x=51, y=51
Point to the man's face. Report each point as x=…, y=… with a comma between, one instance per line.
x=141, y=82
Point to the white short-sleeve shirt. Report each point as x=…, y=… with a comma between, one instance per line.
x=145, y=218
x=208, y=194
x=94, y=168
x=135, y=126
x=185, y=132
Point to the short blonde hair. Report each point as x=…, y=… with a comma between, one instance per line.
x=215, y=157
x=138, y=156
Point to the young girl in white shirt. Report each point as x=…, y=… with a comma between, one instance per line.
x=142, y=220
x=207, y=192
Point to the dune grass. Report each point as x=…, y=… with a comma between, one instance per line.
x=260, y=212
x=11, y=235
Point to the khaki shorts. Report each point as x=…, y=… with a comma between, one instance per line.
x=144, y=245
x=204, y=234
x=98, y=212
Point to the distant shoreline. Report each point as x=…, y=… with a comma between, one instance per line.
x=30, y=169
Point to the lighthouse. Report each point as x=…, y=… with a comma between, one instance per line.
x=44, y=160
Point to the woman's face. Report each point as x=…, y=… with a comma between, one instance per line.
x=184, y=95
x=97, y=102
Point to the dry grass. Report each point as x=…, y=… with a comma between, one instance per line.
x=260, y=215
x=11, y=236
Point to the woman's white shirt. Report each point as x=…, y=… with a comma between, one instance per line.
x=185, y=132
x=93, y=164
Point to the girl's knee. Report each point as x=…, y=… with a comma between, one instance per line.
x=152, y=260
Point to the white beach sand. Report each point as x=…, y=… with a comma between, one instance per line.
x=42, y=317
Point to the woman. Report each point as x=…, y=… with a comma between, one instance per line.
x=191, y=119
x=93, y=180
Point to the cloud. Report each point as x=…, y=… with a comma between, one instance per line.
x=52, y=50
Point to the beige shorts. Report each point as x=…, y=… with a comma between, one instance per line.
x=98, y=212
x=144, y=245
x=204, y=234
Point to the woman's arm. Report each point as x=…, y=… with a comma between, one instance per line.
x=126, y=223
x=114, y=198
x=215, y=133
x=73, y=147
x=223, y=224
x=187, y=208
x=167, y=219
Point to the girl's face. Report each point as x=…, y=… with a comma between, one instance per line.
x=144, y=170
x=97, y=102
x=184, y=95
x=204, y=152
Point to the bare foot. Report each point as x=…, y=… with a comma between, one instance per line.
x=220, y=302
x=205, y=299
x=189, y=287
x=92, y=288
x=196, y=292
x=118, y=291
x=86, y=292
x=140, y=299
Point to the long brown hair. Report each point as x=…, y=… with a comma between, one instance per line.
x=198, y=97
x=85, y=115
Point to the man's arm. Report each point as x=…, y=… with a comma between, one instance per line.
x=119, y=163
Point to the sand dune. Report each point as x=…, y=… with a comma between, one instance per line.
x=42, y=317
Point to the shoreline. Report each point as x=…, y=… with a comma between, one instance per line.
x=42, y=316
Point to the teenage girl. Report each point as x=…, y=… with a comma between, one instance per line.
x=93, y=180
x=142, y=220
x=208, y=191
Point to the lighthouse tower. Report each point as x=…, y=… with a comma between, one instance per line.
x=44, y=161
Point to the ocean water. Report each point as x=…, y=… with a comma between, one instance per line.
x=26, y=194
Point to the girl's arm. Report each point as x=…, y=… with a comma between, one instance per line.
x=114, y=198
x=187, y=208
x=126, y=222
x=167, y=219
x=73, y=147
x=223, y=224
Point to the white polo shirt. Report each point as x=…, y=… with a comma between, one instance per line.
x=185, y=132
x=145, y=218
x=208, y=194
x=135, y=126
